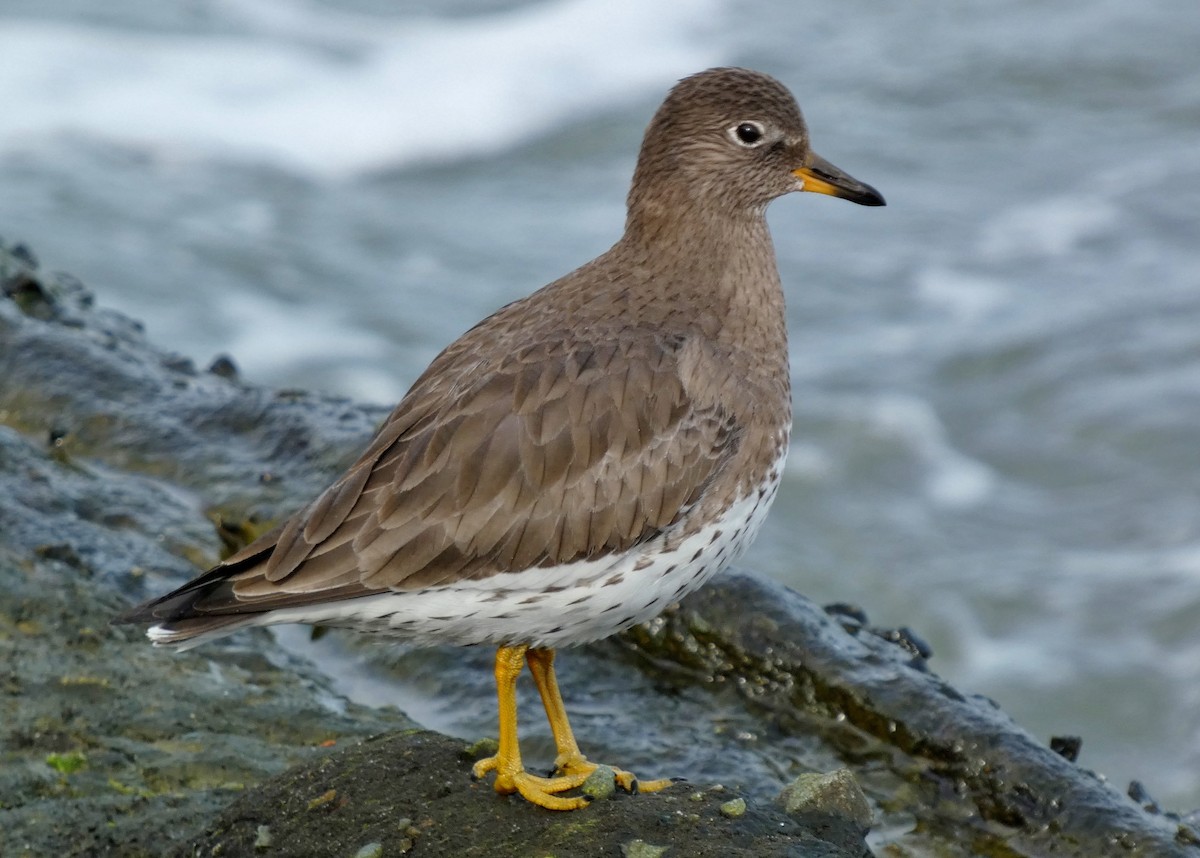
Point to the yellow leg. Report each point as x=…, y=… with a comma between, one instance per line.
x=510, y=773
x=570, y=762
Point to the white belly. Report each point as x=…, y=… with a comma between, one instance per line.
x=556, y=605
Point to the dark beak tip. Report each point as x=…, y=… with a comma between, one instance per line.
x=870, y=197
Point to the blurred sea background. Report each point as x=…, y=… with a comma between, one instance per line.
x=997, y=377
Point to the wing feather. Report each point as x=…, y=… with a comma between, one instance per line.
x=547, y=455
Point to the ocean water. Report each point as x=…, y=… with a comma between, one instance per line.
x=997, y=377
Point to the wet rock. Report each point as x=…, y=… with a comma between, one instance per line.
x=641, y=849
x=600, y=783
x=836, y=793
x=262, y=837
x=223, y=366
x=412, y=791
x=1067, y=747
x=108, y=746
x=733, y=808
x=954, y=762
x=123, y=470
x=91, y=380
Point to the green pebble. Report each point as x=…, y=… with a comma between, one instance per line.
x=641, y=849
x=600, y=783
x=371, y=850
x=832, y=793
x=67, y=763
x=482, y=748
x=262, y=837
x=734, y=808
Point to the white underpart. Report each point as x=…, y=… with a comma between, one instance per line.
x=545, y=606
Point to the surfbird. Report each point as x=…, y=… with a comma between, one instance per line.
x=578, y=460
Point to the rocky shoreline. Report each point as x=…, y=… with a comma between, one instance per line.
x=124, y=467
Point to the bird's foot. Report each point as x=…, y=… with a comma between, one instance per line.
x=538, y=790
x=578, y=765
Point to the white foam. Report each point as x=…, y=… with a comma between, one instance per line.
x=810, y=462
x=968, y=298
x=1184, y=561
x=953, y=479
x=332, y=93
x=1048, y=228
x=275, y=337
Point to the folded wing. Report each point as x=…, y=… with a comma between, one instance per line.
x=543, y=456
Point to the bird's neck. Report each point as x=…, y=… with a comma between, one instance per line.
x=720, y=263
x=713, y=276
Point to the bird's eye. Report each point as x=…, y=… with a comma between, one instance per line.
x=748, y=133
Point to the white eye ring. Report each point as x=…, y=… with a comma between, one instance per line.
x=748, y=133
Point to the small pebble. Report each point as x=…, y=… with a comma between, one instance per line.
x=734, y=808
x=641, y=849
x=836, y=792
x=262, y=838
x=24, y=254
x=223, y=366
x=482, y=748
x=323, y=799
x=600, y=783
x=1067, y=747
x=371, y=850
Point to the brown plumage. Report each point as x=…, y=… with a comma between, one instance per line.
x=582, y=457
x=636, y=397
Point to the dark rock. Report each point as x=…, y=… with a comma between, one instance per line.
x=836, y=794
x=1067, y=747
x=108, y=746
x=411, y=791
x=853, y=615
x=223, y=366
x=1137, y=792
x=909, y=640
x=956, y=763
x=22, y=253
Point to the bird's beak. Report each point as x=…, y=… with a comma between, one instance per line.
x=821, y=177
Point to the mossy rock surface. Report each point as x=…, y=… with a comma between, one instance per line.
x=411, y=792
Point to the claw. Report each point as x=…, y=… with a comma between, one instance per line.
x=571, y=768
x=656, y=785
x=537, y=790
x=577, y=764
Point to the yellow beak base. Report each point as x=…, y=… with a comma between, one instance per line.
x=821, y=177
